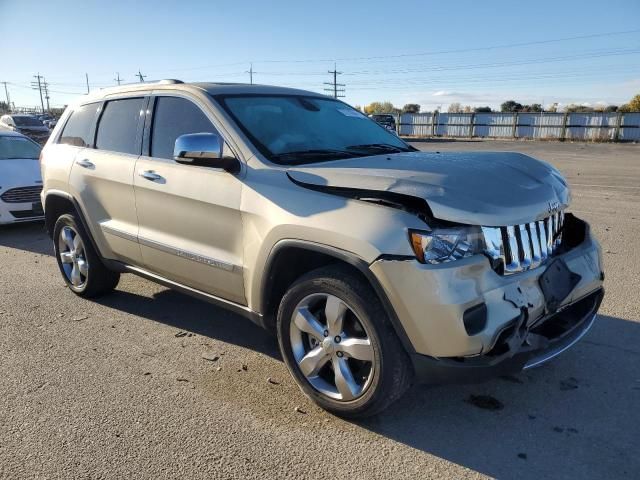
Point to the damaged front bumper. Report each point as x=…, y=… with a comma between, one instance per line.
x=520, y=349
x=466, y=322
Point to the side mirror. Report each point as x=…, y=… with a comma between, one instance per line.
x=204, y=150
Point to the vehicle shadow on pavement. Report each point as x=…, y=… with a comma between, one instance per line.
x=30, y=237
x=576, y=417
x=196, y=316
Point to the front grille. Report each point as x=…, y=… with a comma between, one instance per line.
x=22, y=195
x=517, y=248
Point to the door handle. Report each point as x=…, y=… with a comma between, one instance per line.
x=85, y=163
x=150, y=175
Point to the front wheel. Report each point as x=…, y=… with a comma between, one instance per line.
x=339, y=345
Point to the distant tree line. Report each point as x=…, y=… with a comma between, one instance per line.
x=510, y=106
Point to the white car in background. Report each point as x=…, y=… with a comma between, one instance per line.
x=20, y=180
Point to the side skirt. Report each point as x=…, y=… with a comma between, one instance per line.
x=207, y=297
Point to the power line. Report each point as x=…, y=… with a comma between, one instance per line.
x=501, y=64
x=337, y=92
x=86, y=76
x=140, y=76
x=118, y=79
x=495, y=47
x=459, y=50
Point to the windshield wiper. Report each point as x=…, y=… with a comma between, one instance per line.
x=385, y=147
x=316, y=153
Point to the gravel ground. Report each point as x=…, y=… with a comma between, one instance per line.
x=121, y=388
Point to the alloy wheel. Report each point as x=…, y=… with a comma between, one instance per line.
x=73, y=257
x=332, y=347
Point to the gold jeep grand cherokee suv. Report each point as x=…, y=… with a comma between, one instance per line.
x=376, y=265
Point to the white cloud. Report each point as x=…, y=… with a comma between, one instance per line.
x=443, y=93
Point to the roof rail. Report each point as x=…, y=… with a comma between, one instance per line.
x=169, y=81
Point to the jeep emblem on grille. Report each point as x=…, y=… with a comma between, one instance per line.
x=553, y=207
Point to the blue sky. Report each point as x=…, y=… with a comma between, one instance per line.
x=426, y=52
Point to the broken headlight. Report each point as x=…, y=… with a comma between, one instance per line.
x=446, y=244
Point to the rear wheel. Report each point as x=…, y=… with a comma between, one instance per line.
x=81, y=267
x=339, y=345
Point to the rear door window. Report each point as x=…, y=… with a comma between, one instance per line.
x=78, y=130
x=172, y=117
x=119, y=124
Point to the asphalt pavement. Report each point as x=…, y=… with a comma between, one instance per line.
x=149, y=383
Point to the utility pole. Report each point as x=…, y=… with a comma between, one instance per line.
x=45, y=86
x=337, y=92
x=140, y=76
x=250, y=72
x=118, y=79
x=38, y=85
x=86, y=76
x=6, y=93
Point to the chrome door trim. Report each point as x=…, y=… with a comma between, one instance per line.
x=119, y=233
x=195, y=257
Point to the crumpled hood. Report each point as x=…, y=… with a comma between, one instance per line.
x=477, y=188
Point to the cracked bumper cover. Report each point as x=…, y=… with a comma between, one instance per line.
x=430, y=302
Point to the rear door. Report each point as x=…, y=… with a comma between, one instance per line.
x=189, y=216
x=102, y=178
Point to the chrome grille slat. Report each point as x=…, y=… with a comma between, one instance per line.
x=22, y=195
x=526, y=246
x=513, y=259
x=549, y=225
x=542, y=229
x=536, y=258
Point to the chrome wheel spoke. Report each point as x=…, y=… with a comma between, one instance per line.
x=67, y=237
x=307, y=323
x=66, y=257
x=76, y=280
x=83, y=267
x=77, y=243
x=313, y=361
x=334, y=311
x=358, y=348
x=345, y=383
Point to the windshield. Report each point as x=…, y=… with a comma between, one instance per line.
x=25, y=121
x=292, y=129
x=18, y=147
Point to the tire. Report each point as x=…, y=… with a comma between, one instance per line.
x=80, y=265
x=378, y=371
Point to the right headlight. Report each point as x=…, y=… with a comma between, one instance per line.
x=446, y=244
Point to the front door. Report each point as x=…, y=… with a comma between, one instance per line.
x=189, y=216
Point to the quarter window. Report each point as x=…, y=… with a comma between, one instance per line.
x=77, y=131
x=118, y=128
x=174, y=116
